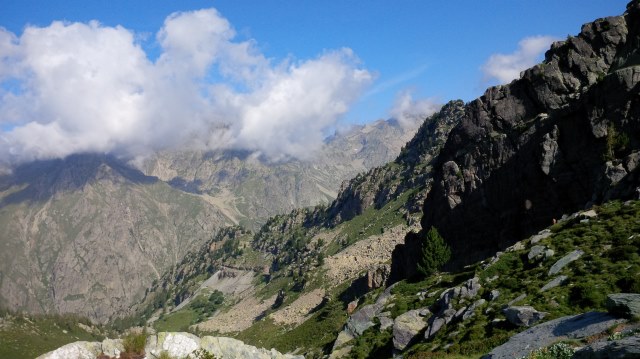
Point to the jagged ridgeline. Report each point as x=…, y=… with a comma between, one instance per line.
x=561, y=138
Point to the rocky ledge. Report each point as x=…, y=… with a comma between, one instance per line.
x=176, y=345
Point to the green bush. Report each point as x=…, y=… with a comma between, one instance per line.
x=555, y=351
x=203, y=354
x=435, y=253
x=134, y=343
x=586, y=295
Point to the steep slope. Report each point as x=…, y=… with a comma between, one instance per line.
x=299, y=261
x=252, y=189
x=87, y=234
x=562, y=137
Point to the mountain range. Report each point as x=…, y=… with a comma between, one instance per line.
x=533, y=187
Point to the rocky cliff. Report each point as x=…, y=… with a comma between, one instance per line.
x=562, y=137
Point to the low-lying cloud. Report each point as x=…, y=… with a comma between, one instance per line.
x=409, y=112
x=504, y=68
x=84, y=87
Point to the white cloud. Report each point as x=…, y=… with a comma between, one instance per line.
x=76, y=87
x=410, y=112
x=504, y=68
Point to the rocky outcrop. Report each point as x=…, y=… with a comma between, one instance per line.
x=626, y=305
x=177, y=345
x=619, y=349
x=554, y=141
x=410, y=170
x=542, y=335
x=407, y=326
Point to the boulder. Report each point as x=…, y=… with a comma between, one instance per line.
x=562, y=262
x=543, y=335
x=405, y=327
x=175, y=344
x=494, y=294
x=559, y=280
x=470, y=312
x=76, y=350
x=523, y=316
x=536, y=253
x=616, y=349
x=540, y=236
x=223, y=347
x=378, y=277
x=625, y=305
x=362, y=319
x=112, y=347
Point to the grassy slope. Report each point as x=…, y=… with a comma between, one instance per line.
x=26, y=338
x=611, y=264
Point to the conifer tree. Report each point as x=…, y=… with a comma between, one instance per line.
x=435, y=253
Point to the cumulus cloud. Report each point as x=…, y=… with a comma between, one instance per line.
x=504, y=68
x=409, y=112
x=84, y=87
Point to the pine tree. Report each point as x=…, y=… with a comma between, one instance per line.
x=435, y=253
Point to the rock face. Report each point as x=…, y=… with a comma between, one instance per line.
x=177, y=345
x=411, y=169
x=624, y=304
x=618, y=349
x=549, y=143
x=545, y=334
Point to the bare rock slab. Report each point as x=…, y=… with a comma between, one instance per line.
x=542, y=335
x=625, y=305
x=406, y=326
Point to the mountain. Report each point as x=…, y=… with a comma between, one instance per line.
x=250, y=189
x=505, y=180
x=87, y=234
x=561, y=138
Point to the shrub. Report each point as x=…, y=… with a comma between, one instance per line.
x=435, y=253
x=586, y=295
x=203, y=354
x=555, y=351
x=134, y=343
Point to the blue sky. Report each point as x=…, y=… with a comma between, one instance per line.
x=434, y=49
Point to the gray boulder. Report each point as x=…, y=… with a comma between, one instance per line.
x=77, y=350
x=617, y=349
x=406, y=327
x=542, y=335
x=562, y=262
x=536, y=253
x=523, y=316
x=625, y=305
x=559, y=280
